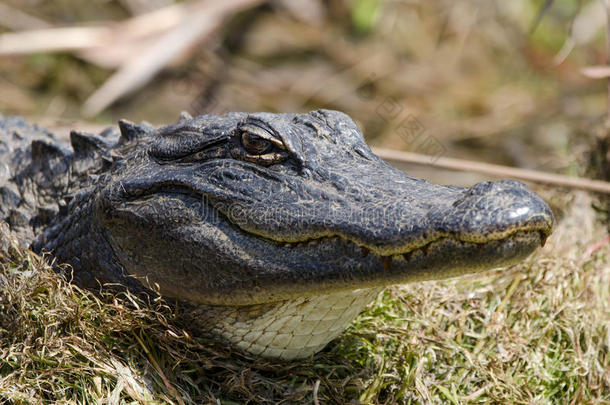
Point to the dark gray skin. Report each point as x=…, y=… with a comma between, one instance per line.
x=246, y=209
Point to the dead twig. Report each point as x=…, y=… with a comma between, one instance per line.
x=316, y=387
x=596, y=72
x=139, y=69
x=54, y=39
x=135, y=34
x=495, y=170
x=140, y=47
x=595, y=247
x=98, y=40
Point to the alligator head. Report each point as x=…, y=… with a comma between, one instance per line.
x=278, y=228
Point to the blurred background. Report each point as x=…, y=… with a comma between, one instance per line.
x=496, y=81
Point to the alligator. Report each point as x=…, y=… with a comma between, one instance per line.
x=271, y=232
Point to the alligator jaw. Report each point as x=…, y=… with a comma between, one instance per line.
x=441, y=258
x=300, y=326
x=537, y=234
x=223, y=245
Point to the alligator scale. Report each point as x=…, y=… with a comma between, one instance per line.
x=271, y=231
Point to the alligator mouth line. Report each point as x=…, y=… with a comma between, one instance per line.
x=533, y=234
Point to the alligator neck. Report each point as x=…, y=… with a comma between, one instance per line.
x=77, y=238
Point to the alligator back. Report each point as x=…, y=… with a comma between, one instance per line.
x=39, y=173
x=33, y=171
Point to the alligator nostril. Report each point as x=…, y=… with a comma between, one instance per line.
x=486, y=187
x=482, y=187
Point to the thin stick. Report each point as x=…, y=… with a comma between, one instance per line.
x=53, y=39
x=48, y=39
x=316, y=387
x=494, y=170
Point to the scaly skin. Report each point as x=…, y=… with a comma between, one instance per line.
x=272, y=231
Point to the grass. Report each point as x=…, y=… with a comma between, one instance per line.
x=536, y=333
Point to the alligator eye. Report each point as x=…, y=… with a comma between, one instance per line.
x=254, y=144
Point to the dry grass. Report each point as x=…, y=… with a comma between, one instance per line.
x=536, y=333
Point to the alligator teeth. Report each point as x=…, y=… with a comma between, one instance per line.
x=543, y=237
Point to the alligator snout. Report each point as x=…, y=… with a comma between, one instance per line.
x=410, y=214
x=494, y=210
